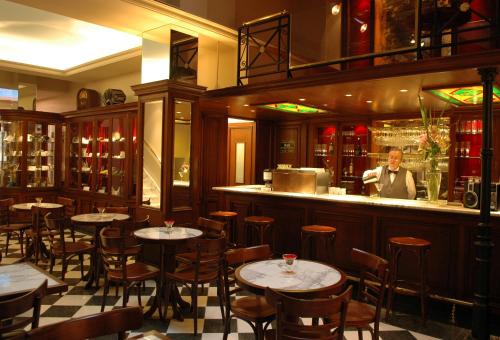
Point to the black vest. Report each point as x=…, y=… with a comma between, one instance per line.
x=396, y=189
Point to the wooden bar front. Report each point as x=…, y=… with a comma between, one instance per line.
x=367, y=224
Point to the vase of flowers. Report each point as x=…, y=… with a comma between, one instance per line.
x=433, y=144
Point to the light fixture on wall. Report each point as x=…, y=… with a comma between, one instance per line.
x=363, y=25
x=336, y=9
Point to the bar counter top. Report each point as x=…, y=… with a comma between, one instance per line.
x=442, y=206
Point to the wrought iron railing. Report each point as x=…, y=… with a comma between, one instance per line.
x=183, y=56
x=265, y=44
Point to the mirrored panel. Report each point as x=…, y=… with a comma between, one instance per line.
x=151, y=161
x=181, y=191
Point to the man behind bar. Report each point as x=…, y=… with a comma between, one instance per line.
x=397, y=182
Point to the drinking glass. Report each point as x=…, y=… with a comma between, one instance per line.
x=101, y=210
x=289, y=262
x=379, y=187
x=38, y=200
x=169, y=224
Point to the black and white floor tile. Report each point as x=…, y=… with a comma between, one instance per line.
x=79, y=301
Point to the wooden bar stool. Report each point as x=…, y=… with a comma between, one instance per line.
x=228, y=217
x=419, y=247
x=260, y=225
x=314, y=239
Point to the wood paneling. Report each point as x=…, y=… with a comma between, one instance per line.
x=291, y=140
x=264, y=148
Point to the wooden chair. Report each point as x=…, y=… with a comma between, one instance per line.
x=206, y=268
x=69, y=210
x=39, y=230
x=7, y=227
x=59, y=248
x=114, y=254
x=91, y=326
x=10, y=309
x=373, y=274
x=289, y=310
x=253, y=309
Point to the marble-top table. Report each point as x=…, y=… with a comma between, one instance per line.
x=43, y=205
x=161, y=234
x=101, y=218
x=309, y=278
x=19, y=278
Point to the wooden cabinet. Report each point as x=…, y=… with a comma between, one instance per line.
x=30, y=149
x=101, y=151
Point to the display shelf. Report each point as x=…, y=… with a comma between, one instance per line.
x=354, y=152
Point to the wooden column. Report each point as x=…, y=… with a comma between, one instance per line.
x=483, y=244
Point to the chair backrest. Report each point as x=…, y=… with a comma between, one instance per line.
x=126, y=229
x=5, y=210
x=91, y=326
x=57, y=224
x=211, y=228
x=289, y=308
x=373, y=274
x=113, y=250
x=9, y=309
x=37, y=216
x=117, y=210
x=235, y=257
x=209, y=255
x=69, y=205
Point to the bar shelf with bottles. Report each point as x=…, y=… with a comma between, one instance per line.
x=468, y=141
x=325, y=149
x=354, y=141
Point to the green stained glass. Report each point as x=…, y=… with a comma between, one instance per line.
x=466, y=95
x=291, y=107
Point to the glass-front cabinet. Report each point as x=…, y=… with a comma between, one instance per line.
x=354, y=144
x=100, y=142
x=29, y=149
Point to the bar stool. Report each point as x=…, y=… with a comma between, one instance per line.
x=228, y=217
x=261, y=225
x=318, y=237
x=419, y=247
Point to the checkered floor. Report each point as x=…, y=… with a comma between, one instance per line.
x=79, y=301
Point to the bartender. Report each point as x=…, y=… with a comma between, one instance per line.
x=397, y=182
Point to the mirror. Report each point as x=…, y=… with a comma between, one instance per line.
x=184, y=57
x=151, y=162
x=181, y=174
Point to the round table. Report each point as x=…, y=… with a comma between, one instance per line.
x=310, y=279
x=168, y=240
x=37, y=245
x=43, y=205
x=99, y=221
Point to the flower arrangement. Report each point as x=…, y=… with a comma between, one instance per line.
x=435, y=140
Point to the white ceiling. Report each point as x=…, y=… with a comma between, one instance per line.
x=34, y=37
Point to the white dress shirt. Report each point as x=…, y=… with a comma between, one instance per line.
x=410, y=183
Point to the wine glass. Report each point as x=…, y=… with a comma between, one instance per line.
x=38, y=200
x=169, y=224
x=101, y=210
x=379, y=187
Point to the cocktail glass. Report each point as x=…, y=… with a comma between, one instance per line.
x=169, y=224
x=101, y=210
x=379, y=187
x=289, y=260
x=38, y=200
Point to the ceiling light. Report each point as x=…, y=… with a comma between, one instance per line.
x=245, y=105
x=348, y=94
x=336, y=9
x=178, y=112
x=403, y=90
x=369, y=101
x=252, y=110
x=227, y=106
x=302, y=99
x=363, y=28
x=325, y=104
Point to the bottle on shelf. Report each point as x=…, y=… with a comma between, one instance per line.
x=357, y=147
x=351, y=168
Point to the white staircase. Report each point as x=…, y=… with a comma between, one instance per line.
x=150, y=190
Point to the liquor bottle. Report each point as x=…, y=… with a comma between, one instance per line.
x=357, y=147
x=351, y=168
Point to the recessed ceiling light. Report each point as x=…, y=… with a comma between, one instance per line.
x=227, y=106
x=302, y=99
x=403, y=90
x=178, y=112
x=348, y=94
x=369, y=101
x=252, y=110
x=325, y=104
x=245, y=104
x=336, y=9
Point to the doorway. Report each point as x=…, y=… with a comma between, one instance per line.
x=241, y=151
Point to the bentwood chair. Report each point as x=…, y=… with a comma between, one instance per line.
x=206, y=268
x=39, y=230
x=91, y=326
x=10, y=309
x=59, y=248
x=289, y=310
x=252, y=309
x=115, y=252
x=8, y=227
x=373, y=274
x=69, y=210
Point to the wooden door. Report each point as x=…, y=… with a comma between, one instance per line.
x=241, y=150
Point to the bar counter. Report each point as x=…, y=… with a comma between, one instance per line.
x=368, y=222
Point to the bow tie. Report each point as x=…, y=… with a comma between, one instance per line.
x=392, y=171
